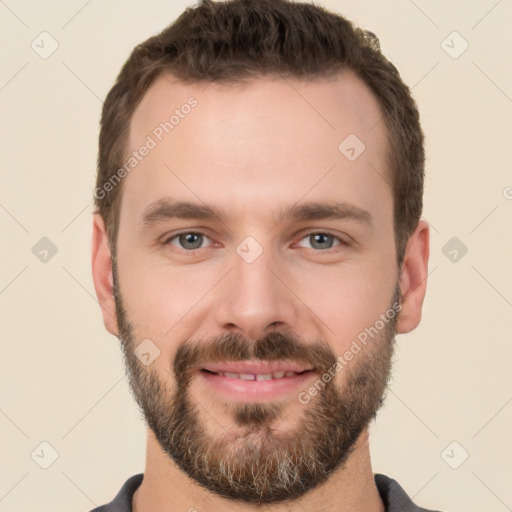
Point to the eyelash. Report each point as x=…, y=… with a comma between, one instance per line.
x=168, y=240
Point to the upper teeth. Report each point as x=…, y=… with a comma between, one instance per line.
x=258, y=376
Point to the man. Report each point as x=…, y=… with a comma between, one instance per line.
x=257, y=245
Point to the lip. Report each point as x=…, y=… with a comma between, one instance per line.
x=257, y=367
x=240, y=390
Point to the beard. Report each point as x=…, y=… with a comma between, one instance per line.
x=254, y=462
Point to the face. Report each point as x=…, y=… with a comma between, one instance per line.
x=257, y=262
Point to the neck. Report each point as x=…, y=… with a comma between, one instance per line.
x=165, y=488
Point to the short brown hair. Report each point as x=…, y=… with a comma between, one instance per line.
x=237, y=40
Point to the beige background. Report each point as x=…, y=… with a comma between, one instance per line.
x=62, y=379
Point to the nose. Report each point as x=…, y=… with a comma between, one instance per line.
x=255, y=298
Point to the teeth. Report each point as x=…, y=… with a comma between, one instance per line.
x=266, y=376
x=258, y=377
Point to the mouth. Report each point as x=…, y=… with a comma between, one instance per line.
x=252, y=381
x=255, y=376
x=257, y=370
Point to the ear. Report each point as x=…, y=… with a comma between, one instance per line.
x=102, y=274
x=413, y=281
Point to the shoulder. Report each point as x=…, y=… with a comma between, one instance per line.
x=123, y=500
x=394, y=497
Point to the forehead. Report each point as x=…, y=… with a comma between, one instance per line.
x=265, y=142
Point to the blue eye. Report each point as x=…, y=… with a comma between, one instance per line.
x=189, y=240
x=193, y=240
x=322, y=241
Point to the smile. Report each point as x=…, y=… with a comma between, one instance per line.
x=252, y=382
x=256, y=376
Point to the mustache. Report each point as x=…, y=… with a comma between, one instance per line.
x=233, y=347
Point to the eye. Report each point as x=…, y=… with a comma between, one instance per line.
x=193, y=240
x=189, y=240
x=322, y=241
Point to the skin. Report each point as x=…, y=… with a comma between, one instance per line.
x=252, y=150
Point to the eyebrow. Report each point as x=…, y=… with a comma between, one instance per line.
x=165, y=209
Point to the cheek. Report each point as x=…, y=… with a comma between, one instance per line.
x=158, y=297
x=349, y=298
